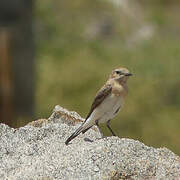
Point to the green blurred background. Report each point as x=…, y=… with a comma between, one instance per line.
x=78, y=43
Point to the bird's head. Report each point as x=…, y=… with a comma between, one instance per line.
x=120, y=74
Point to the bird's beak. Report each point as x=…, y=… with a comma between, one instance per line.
x=128, y=74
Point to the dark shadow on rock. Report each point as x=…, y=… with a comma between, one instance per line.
x=88, y=140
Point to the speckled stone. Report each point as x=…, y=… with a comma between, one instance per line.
x=40, y=153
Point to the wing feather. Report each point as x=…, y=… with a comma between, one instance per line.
x=101, y=95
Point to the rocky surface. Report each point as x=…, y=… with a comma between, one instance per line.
x=37, y=151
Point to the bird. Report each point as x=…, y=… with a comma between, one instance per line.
x=107, y=102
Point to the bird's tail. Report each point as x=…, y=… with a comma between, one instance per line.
x=76, y=133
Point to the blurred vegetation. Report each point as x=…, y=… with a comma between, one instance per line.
x=72, y=64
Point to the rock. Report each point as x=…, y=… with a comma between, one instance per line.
x=37, y=151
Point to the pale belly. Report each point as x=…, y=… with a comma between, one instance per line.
x=107, y=110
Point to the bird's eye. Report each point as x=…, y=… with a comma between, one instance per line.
x=118, y=72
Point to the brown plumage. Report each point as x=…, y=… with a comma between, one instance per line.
x=107, y=102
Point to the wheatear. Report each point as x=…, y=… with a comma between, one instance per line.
x=107, y=103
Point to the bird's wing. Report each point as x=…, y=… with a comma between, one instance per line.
x=101, y=95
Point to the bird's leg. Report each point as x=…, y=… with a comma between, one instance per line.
x=97, y=124
x=108, y=125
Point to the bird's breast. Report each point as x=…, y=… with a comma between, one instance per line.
x=120, y=90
